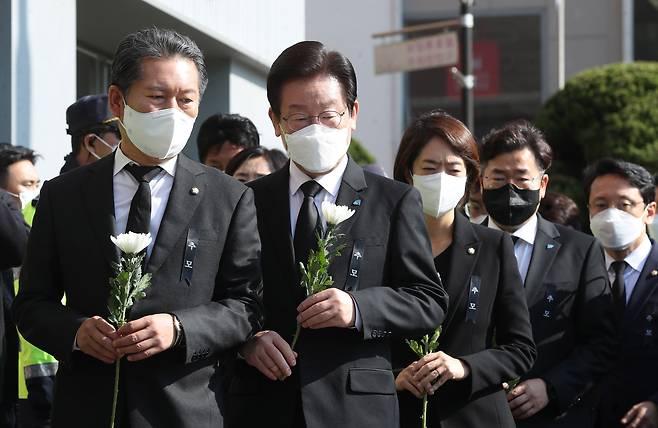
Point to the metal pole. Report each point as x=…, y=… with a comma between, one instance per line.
x=627, y=31
x=559, y=6
x=466, y=20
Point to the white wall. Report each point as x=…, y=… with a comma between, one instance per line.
x=347, y=26
x=248, y=97
x=43, y=38
x=262, y=28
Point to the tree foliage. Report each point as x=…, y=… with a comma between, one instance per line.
x=609, y=111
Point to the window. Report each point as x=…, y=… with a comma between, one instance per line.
x=507, y=65
x=646, y=30
x=93, y=72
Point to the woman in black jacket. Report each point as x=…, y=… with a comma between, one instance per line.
x=487, y=337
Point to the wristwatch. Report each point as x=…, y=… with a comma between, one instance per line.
x=178, y=331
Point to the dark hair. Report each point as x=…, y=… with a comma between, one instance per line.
x=275, y=159
x=219, y=128
x=100, y=129
x=9, y=155
x=153, y=43
x=636, y=175
x=305, y=60
x=517, y=135
x=560, y=209
x=436, y=123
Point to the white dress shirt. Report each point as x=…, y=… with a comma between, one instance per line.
x=634, y=264
x=330, y=183
x=524, y=245
x=125, y=187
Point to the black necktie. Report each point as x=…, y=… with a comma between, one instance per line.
x=139, y=217
x=618, y=286
x=308, y=222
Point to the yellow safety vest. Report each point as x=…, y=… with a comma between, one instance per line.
x=32, y=361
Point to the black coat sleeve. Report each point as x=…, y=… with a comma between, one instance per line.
x=41, y=289
x=596, y=332
x=413, y=301
x=514, y=351
x=13, y=233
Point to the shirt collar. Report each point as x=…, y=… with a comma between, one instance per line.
x=527, y=232
x=121, y=160
x=329, y=181
x=637, y=258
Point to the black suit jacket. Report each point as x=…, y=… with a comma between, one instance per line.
x=497, y=345
x=13, y=240
x=69, y=252
x=571, y=312
x=635, y=376
x=344, y=376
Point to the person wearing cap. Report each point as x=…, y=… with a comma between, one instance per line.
x=93, y=129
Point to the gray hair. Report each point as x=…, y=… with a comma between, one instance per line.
x=153, y=43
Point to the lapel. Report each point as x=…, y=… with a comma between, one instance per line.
x=179, y=211
x=98, y=195
x=544, y=251
x=645, y=286
x=462, y=263
x=350, y=193
x=277, y=216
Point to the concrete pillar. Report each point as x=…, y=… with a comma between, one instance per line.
x=37, y=76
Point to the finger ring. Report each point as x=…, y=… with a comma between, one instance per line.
x=435, y=372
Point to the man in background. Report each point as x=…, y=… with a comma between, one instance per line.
x=223, y=136
x=94, y=131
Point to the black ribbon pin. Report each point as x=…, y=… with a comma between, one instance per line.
x=648, y=335
x=473, y=299
x=188, y=258
x=352, y=281
x=549, y=301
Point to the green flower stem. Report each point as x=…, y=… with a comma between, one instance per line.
x=296, y=336
x=424, y=417
x=116, y=392
x=117, y=366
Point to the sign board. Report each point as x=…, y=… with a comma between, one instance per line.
x=486, y=65
x=417, y=54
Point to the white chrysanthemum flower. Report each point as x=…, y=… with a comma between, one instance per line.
x=335, y=214
x=131, y=242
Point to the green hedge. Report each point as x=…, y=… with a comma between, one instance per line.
x=359, y=153
x=605, y=111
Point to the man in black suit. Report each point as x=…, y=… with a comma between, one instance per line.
x=13, y=239
x=203, y=299
x=385, y=283
x=621, y=205
x=565, y=281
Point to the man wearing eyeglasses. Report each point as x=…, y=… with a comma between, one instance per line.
x=621, y=205
x=385, y=283
x=565, y=280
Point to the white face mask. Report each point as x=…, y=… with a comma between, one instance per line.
x=160, y=134
x=317, y=148
x=440, y=192
x=102, y=142
x=653, y=229
x=26, y=196
x=616, y=229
